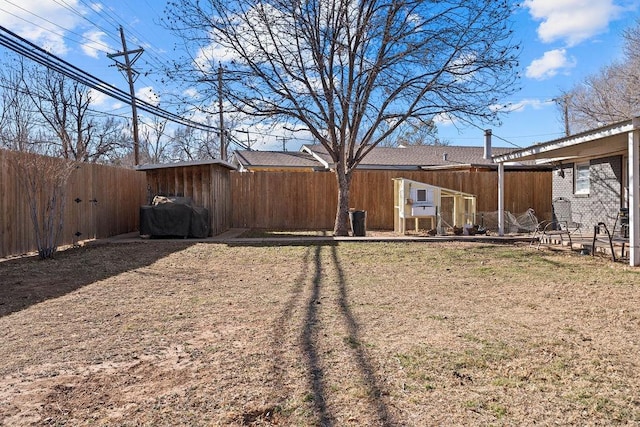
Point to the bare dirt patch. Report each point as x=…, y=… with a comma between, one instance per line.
x=166, y=333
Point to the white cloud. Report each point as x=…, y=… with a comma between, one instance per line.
x=572, y=21
x=521, y=106
x=34, y=20
x=98, y=98
x=211, y=55
x=551, y=63
x=149, y=95
x=444, y=119
x=191, y=93
x=95, y=44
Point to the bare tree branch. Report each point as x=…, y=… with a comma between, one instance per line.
x=351, y=72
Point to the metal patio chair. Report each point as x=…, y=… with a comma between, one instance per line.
x=562, y=223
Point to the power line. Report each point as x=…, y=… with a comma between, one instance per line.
x=493, y=134
x=31, y=51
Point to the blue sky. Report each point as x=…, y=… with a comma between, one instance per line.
x=562, y=42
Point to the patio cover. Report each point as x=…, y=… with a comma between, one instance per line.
x=619, y=138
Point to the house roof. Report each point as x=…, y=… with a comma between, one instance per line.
x=266, y=159
x=418, y=156
x=398, y=158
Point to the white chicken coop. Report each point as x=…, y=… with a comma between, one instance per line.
x=422, y=203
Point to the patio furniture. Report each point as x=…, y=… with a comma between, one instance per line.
x=562, y=223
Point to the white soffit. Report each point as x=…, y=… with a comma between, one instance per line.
x=597, y=143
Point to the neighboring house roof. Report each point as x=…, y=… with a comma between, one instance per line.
x=416, y=157
x=247, y=160
x=316, y=157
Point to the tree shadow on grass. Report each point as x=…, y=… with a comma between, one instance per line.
x=28, y=281
x=365, y=366
x=309, y=345
x=312, y=267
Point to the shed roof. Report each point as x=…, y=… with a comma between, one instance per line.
x=185, y=164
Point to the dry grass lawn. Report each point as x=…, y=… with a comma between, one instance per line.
x=353, y=334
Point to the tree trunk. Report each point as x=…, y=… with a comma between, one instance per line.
x=341, y=226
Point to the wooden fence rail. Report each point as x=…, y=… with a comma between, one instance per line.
x=101, y=201
x=297, y=200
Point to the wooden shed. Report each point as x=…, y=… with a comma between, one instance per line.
x=443, y=207
x=206, y=182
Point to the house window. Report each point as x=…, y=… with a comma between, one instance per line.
x=582, y=177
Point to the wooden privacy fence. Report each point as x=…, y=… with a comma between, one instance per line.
x=297, y=200
x=101, y=201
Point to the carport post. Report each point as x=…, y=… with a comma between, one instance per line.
x=501, y=199
x=634, y=194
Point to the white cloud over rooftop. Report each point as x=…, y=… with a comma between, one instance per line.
x=550, y=64
x=572, y=21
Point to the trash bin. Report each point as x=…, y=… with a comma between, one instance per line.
x=358, y=223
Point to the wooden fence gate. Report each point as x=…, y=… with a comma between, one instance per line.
x=101, y=201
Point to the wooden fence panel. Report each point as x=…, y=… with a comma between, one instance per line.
x=298, y=200
x=109, y=200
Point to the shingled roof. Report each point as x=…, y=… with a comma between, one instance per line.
x=399, y=158
x=417, y=156
x=246, y=159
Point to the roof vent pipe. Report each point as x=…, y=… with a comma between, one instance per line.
x=487, y=144
x=444, y=157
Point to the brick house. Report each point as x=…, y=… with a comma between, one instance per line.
x=597, y=172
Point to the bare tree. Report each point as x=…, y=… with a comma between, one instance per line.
x=603, y=98
x=352, y=71
x=153, y=140
x=610, y=95
x=42, y=178
x=415, y=132
x=189, y=144
x=44, y=181
x=107, y=140
x=184, y=145
x=17, y=117
x=63, y=105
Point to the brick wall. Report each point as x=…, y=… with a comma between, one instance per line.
x=604, y=200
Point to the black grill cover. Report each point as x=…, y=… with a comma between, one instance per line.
x=174, y=217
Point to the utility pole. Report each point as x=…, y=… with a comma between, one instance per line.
x=565, y=112
x=131, y=75
x=223, y=146
x=284, y=140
